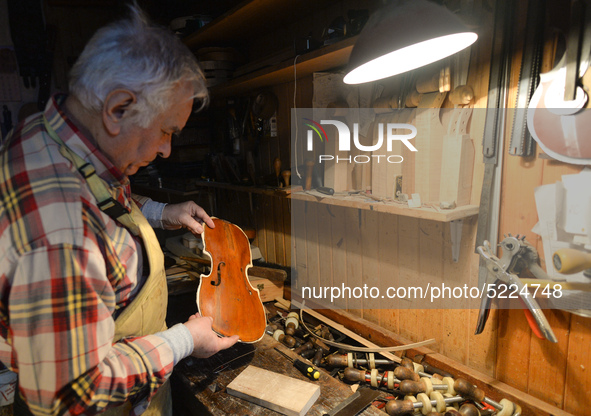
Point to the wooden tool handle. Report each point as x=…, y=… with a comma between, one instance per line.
x=412, y=388
x=570, y=261
x=277, y=167
x=407, y=362
x=286, y=177
x=352, y=374
x=404, y=373
x=461, y=95
x=337, y=360
x=468, y=390
x=399, y=407
x=304, y=347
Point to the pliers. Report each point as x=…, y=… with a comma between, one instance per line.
x=498, y=274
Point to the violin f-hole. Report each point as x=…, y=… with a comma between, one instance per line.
x=219, y=274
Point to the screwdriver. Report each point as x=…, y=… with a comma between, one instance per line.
x=306, y=369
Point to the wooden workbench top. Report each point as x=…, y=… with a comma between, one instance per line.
x=208, y=378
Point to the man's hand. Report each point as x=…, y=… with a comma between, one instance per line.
x=186, y=214
x=206, y=342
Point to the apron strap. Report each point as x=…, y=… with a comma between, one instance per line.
x=98, y=187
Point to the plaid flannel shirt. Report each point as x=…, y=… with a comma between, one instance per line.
x=66, y=269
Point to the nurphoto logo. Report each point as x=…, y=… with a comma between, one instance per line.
x=393, y=132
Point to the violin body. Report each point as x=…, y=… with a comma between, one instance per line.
x=561, y=128
x=226, y=294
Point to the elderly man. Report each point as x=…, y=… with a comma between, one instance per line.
x=82, y=284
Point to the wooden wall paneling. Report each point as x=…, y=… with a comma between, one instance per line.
x=578, y=367
x=431, y=275
x=312, y=245
x=284, y=123
x=300, y=249
x=324, y=225
x=549, y=360
x=339, y=251
x=408, y=269
x=279, y=240
x=518, y=216
x=370, y=265
x=455, y=320
x=286, y=218
x=388, y=270
x=267, y=208
x=482, y=348
x=259, y=219
x=353, y=221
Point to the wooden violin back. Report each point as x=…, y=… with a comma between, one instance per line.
x=226, y=294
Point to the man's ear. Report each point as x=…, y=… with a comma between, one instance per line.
x=115, y=109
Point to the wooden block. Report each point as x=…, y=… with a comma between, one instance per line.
x=268, y=281
x=429, y=145
x=384, y=173
x=456, y=169
x=283, y=394
x=335, y=173
x=268, y=289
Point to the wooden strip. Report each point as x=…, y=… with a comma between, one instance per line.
x=388, y=263
x=300, y=277
x=354, y=257
x=547, y=377
x=578, y=367
x=312, y=252
x=370, y=265
x=325, y=273
x=279, y=231
x=455, y=319
x=431, y=245
x=339, y=251
x=408, y=256
x=286, y=211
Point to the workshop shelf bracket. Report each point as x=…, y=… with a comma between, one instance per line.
x=455, y=228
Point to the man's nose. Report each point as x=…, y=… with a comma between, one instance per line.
x=165, y=149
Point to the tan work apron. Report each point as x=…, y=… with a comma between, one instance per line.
x=146, y=314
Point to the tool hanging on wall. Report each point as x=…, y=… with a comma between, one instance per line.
x=494, y=128
x=522, y=143
x=498, y=275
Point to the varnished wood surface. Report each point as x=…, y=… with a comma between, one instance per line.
x=208, y=379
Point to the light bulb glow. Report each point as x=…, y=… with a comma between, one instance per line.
x=410, y=57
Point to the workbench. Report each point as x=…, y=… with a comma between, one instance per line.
x=207, y=380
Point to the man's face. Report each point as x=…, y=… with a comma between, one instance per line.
x=138, y=146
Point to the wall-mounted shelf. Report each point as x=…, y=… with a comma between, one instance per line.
x=388, y=207
x=325, y=58
x=251, y=18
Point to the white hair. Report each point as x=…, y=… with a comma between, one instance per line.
x=138, y=56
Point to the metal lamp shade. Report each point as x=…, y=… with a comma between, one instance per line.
x=405, y=35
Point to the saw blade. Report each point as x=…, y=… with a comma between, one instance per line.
x=522, y=143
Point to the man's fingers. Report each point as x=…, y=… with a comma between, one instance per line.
x=227, y=342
